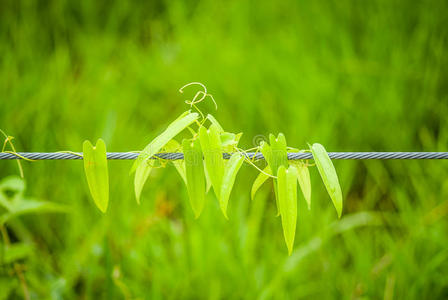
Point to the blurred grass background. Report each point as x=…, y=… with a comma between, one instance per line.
x=352, y=75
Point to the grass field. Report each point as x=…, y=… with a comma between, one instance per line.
x=352, y=75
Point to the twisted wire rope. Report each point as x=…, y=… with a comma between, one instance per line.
x=256, y=156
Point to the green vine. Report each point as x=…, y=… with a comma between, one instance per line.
x=204, y=168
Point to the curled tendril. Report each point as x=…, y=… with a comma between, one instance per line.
x=198, y=97
x=8, y=140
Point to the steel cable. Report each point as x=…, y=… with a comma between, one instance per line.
x=258, y=156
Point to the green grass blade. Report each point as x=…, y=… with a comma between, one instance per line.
x=303, y=176
x=30, y=206
x=214, y=162
x=195, y=175
x=328, y=174
x=231, y=170
x=160, y=141
x=261, y=178
x=287, y=195
x=95, y=167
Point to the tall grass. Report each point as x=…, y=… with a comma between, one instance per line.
x=353, y=75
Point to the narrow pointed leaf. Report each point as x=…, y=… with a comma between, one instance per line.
x=174, y=146
x=303, y=176
x=214, y=162
x=195, y=175
x=141, y=175
x=261, y=178
x=276, y=155
x=279, y=156
x=267, y=152
x=30, y=206
x=208, y=182
x=215, y=122
x=160, y=141
x=287, y=195
x=231, y=170
x=329, y=176
x=95, y=167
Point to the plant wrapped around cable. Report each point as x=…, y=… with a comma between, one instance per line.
x=210, y=159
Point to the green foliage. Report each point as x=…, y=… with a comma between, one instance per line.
x=141, y=176
x=231, y=170
x=204, y=165
x=95, y=168
x=195, y=175
x=328, y=174
x=261, y=178
x=13, y=202
x=182, y=122
x=213, y=159
x=303, y=176
x=352, y=75
x=287, y=200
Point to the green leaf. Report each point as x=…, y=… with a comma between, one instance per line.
x=261, y=178
x=174, y=146
x=215, y=122
x=15, y=252
x=11, y=190
x=195, y=175
x=287, y=195
x=231, y=170
x=13, y=184
x=329, y=176
x=303, y=176
x=160, y=141
x=207, y=179
x=213, y=159
x=276, y=155
x=229, y=141
x=267, y=152
x=279, y=154
x=141, y=175
x=95, y=167
x=28, y=206
x=13, y=201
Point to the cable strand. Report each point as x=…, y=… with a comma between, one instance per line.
x=251, y=155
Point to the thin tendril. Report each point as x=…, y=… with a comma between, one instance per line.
x=18, y=155
x=251, y=163
x=197, y=97
x=70, y=152
x=9, y=140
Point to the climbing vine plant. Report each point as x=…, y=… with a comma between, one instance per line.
x=212, y=160
x=204, y=167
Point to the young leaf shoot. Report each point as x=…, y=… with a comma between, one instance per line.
x=195, y=175
x=231, y=169
x=328, y=174
x=287, y=198
x=95, y=167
